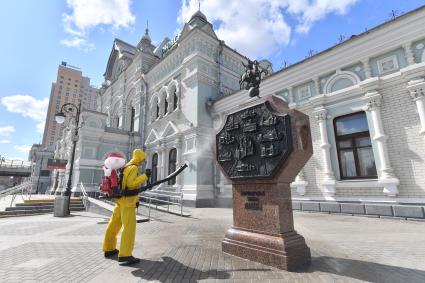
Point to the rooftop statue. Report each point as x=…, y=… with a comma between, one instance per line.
x=251, y=79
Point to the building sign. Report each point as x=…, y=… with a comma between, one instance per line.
x=170, y=44
x=56, y=163
x=253, y=199
x=254, y=142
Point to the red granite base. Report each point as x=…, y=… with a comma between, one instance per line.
x=286, y=251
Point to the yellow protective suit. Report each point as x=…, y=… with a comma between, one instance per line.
x=125, y=209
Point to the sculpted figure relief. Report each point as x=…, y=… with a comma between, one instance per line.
x=251, y=79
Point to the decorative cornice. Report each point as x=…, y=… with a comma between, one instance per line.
x=416, y=89
x=374, y=100
x=321, y=114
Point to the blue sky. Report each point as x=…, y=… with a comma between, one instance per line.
x=37, y=35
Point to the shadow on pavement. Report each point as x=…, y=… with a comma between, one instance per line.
x=171, y=270
x=363, y=270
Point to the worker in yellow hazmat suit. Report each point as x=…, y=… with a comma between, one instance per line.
x=125, y=213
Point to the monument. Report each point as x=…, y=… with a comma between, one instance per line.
x=261, y=149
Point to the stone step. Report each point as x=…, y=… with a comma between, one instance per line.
x=33, y=212
x=39, y=207
x=4, y=215
x=45, y=203
x=48, y=200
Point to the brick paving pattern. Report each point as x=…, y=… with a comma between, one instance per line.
x=175, y=249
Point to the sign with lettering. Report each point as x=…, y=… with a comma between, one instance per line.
x=56, y=163
x=254, y=142
x=170, y=44
x=253, y=200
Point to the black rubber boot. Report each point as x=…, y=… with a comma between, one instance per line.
x=128, y=260
x=111, y=253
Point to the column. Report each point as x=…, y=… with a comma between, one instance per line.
x=367, y=68
x=121, y=116
x=317, y=85
x=300, y=183
x=179, y=181
x=387, y=177
x=410, y=58
x=416, y=90
x=163, y=160
x=328, y=183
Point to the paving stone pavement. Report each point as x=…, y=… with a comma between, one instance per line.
x=175, y=249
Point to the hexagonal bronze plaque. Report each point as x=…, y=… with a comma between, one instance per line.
x=254, y=142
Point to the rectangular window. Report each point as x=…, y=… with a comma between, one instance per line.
x=354, y=147
x=387, y=64
x=304, y=92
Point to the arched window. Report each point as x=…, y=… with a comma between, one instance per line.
x=133, y=114
x=165, y=106
x=154, y=174
x=172, y=159
x=354, y=147
x=157, y=111
x=175, y=99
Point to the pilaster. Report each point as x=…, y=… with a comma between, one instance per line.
x=409, y=54
x=328, y=182
x=317, y=85
x=367, y=68
x=179, y=148
x=416, y=90
x=387, y=177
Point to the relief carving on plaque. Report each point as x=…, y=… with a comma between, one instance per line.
x=254, y=142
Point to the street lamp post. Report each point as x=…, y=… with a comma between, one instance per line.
x=60, y=118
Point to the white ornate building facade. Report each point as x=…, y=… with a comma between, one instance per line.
x=365, y=99
x=158, y=98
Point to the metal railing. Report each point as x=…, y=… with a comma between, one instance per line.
x=153, y=197
x=90, y=189
x=85, y=197
x=21, y=189
x=9, y=163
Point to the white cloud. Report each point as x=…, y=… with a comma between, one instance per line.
x=78, y=42
x=7, y=130
x=28, y=106
x=86, y=15
x=312, y=11
x=258, y=27
x=25, y=149
x=4, y=141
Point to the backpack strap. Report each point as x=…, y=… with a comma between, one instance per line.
x=125, y=192
x=130, y=193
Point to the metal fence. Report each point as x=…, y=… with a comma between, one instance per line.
x=23, y=189
x=90, y=189
x=151, y=199
x=9, y=163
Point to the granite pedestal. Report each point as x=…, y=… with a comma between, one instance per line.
x=263, y=227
